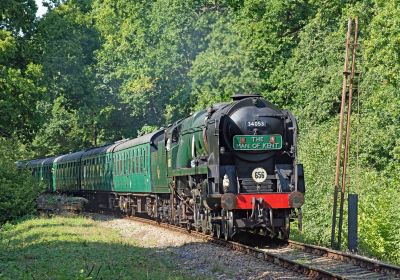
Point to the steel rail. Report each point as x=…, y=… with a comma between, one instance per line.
x=362, y=267
x=358, y=260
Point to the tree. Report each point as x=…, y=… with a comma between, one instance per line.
x=17, y=16
x=223, y=69
x=64, y=43
x=20, y=78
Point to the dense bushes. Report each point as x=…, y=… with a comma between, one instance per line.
x=18, y=189
x=379, y=229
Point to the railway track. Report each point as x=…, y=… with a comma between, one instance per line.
x=310, y=260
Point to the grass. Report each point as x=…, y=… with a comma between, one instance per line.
x=77, y=248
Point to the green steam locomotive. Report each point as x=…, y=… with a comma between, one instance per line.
x=229, y=168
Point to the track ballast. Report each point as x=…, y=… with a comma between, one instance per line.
x=310, y=260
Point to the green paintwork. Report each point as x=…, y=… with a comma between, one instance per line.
x=96, y=173
x=132, y=169
x=66, y=172
x=136, y=165
x=42, y=172
x=189, y=171
x=66, y=176
x=257, y=142
x=188, y=146
x=159, y=170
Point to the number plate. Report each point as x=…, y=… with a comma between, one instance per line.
x=255, y=123
x=257, y=142
x=259, y=175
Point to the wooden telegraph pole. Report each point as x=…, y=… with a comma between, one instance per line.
x=341, y=166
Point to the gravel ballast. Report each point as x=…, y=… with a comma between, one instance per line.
x=197, y=257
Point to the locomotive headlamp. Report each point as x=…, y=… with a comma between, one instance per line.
x=296, y=199
x=225, y=183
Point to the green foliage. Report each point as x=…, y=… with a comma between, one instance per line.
x=317, y=153
x=20, y=90
x=147, y=53
x=314, y=98
x=78, y=248
x=17, y=16
x=20, y=93
x=64, y=43
x=222, y=70
x=147, y=129
x=18, y=189
x=62, y=133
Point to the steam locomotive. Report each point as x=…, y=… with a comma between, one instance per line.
x=230, y=168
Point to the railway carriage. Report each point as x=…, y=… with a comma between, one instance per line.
x=230, y=168
x=66, y=172
x=96, y=169
x=42, y=171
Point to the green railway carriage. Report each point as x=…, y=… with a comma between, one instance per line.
x=35, y=166
x=132, y=164
x=42, y=170
x=66, y=172
x=96, y=169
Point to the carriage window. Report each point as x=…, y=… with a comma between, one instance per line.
x=144, y=161
x=128, y=164
x=122, y=165
x=132, y=163
x=136, y=165
x=141, y=160
x=141, y=163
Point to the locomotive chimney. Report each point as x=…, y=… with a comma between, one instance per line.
x=243, y=96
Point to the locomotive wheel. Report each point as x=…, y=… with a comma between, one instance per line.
x=217, y=231
x=227, y=233
x=204, y=226
x=286, y=229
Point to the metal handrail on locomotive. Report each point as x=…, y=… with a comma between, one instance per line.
x=226, y=169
